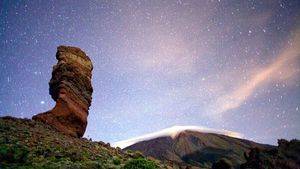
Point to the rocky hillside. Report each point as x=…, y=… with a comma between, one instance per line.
x=28, y=144
x=285, y=156
x=193, y=148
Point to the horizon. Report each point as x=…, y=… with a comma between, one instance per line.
x=222, y=65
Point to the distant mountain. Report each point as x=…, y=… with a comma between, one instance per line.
x=196, y=148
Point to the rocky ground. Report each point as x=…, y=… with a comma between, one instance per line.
x=285, y=156
x=26, y=143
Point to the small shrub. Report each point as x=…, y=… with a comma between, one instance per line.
x=116, y=160
x=129, y=151
x=13, y=153
x=222, y=164
x=138, y=154
x=140, y=163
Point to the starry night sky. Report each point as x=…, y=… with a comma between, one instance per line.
x=230, y=65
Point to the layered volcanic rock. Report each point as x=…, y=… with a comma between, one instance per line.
x=70, y=86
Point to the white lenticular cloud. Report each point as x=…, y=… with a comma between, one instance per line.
x=173, y=132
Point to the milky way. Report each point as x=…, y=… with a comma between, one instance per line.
x=231, y=65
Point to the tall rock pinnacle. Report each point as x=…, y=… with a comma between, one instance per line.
x=71, y=88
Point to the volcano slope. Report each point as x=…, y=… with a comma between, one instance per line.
x=197, y=149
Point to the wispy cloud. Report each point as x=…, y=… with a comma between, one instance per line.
x=279, y=69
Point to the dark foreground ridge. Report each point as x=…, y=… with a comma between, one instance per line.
x=30, y=144
x=285, y=156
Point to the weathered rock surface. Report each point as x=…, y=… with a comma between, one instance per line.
x=71, y=88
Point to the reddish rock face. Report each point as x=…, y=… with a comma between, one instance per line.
x=71, y=88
